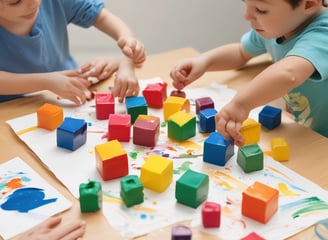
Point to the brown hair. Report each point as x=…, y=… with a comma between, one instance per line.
x=295, y=3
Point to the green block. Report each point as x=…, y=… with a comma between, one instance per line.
x=191, y=188
x=181, y=126
x=90, y=196
x=131, y=190
x=250, y=158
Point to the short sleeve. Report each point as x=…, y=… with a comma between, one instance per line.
x=253, y=43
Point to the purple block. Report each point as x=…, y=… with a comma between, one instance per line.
x=203, y=103
x=181, y=233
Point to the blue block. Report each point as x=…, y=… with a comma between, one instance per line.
x=207, y=120
x=217, y=150
x=136, y=106
x=72, y=133
x=270, y=117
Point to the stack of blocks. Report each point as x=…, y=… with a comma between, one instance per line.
x=174, y=104
x=217, y=150
x=135, y=106
x=90, y=196
x=181, y=126
x=111, y=160
x=270, y=117
x=280, y=149
x=49, y=116
x=191, y=189
x=207, y=120
x=119, y=127
x=105, y=105
x=155, y=94
x=72, y=133
x=260, y=202
x=251, y=130
x=211, y=214
x=146, y=130
x=156, y=173
x=203, y=103
x=250, y=158
x=180, y=232
x=131, y=190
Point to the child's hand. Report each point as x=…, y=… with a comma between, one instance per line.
x=101, y=68
x=133, y=49
x=186, y=72
x=126, y=83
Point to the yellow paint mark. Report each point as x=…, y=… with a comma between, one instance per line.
x=113, y=200
x=144, y=209
x=190, y=144
x=220, y=176
x=283, y=188
x=268, y=153
x=26, y=130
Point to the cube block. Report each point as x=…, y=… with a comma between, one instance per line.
x=146, y=130
x=270, y=117
x=203, y=103
x=251, y=130
x=105, y=105
x=191, y=189
x=181, y=126
x=72, y=133
x=178, y=93
x=135, y=106
x=131, y=190
x=119, y=127
x=90, y=196
x=250, y=158
x=49, y=116
x=280, y=149
x=180, y=232
x=252, y=236
x=260, y=202
x=207, y=120
x=111, y=160
x=156, y=173
x=211, y=214
x=155, y=94
x=174, y=104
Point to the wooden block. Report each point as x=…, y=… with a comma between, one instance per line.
x=252, y=236
x=250, y=158
x=146, y=130
x=280, y=149
x=49, y=116
x=251, y=130
x=155, y=94
x=119, y=127
x=135, y=106
x=181, y=126
x=180, y=232
x=111, y=160
x=72, y=133
x=217, y=150
x=174, y=104
x=178, y=93
x=270, y=117
x=105, y=105
x=260, y=202
x=207, y=120
x=191, y=189
x=211, y=214
x=156, y=173
x=203, y=103
x=131, y=190
x=90, y=196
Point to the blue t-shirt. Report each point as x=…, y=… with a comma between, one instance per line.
x=309, y=101
x=46, y=49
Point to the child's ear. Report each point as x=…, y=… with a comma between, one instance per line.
x=310, y=5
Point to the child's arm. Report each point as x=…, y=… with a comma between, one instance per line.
x=66, y=84
x=272, y=83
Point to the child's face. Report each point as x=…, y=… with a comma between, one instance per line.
x=274, y=18
x=18, y=11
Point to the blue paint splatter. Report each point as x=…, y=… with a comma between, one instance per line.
x=143, y=216
x=26, y=199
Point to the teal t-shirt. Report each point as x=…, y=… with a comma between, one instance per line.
x=309, y=101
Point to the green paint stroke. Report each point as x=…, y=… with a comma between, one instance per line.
x=310, y=205
x=133, y=155
x=184, y=167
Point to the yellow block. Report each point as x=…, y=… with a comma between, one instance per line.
x=280, y=149
x=173, y=104
x=251, y=130
x=156, y=173
x=109, y=150
x=50, y=116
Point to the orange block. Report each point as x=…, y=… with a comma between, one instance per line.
x=260, y=202
x=50, y=116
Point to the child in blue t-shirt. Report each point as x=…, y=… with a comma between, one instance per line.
x=295, y=34
x=34, y=49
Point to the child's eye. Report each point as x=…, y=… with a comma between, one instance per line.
x=261, y=11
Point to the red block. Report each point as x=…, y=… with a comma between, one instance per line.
x=104, y=105
x=146, y=130
x=211, y=214
x=252, y=236
x=119, y=127
x=155, y=94
x=203, y=103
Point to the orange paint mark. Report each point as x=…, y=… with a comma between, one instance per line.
x=14, y=183
x=26, y=130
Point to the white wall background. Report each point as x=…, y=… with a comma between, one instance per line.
x=166, y=25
